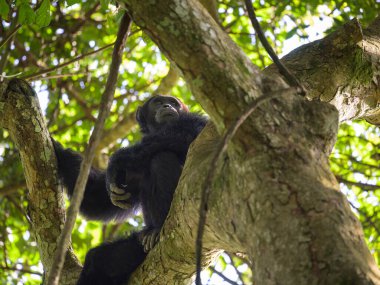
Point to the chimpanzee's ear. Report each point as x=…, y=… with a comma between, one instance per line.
x=184, y=107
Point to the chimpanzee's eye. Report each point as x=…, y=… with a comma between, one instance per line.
x=174, y=102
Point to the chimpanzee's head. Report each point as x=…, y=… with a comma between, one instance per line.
x=158, y=111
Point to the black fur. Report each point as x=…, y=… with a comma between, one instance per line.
x=96, y=204
x=112, y=263
x=144, y=175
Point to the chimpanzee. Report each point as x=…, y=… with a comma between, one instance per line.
x=144, y=175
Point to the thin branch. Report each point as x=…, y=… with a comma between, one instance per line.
x=234, y=266
x=21, y=270
x=85, y=18
x=6, y=52
x=79, y=188
x=290, y=78
x=31, y=57
x=362, y=186
x=12, y=188
x=18, y=206
x=68, y=126
x=368, y=219
x=225, y=278
x=11, y=34
x=51, y=69
x=356, y=161
x=221, y=149
x=57, y=76
x=72, y=92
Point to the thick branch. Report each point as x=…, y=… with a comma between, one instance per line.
x=274, y=196
x=343, y=69
x=21, y=115
x=105, y=106
x=219, y=74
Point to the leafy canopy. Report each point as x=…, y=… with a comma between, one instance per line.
x=47, y=34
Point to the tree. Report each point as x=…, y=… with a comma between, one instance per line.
x=274, y=197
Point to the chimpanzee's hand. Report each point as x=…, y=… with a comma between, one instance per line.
x=123, y=186
x=119, y=196
x=124, y=176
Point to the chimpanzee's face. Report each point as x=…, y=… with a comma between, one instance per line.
x=158, y=111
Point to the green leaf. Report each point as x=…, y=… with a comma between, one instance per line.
x=4, y=9
x=26, y=14
x=43, y=14
x=20, y=2
x=104, y=3
x=291, y=33
x=72, y=2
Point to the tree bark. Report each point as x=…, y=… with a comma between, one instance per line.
x=342, y=69
x=21, y=115
x=275, y=197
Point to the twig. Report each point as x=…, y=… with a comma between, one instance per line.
x=12, y=188
x=9, y=39
x=18, y=206
x=85, y=18
x=368, y=219
x=48, y=70
x=21, y=270
x=234, y=266
x=51, y=69
x=57, y=76
x=11, y=34
x=225, y=278
x=79, y=188
x=68, y=126
x=363, y=186
x=290, y=78
x=10, y=76
x=72, y=92
x=222, y=147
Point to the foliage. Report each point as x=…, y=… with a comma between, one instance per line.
x=355, y=162
x=51, y=33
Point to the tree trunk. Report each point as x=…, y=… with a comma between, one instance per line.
x=21, y=115
x=274, y=197
x=342, y=69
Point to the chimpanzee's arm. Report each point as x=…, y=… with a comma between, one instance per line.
x=128, y=167
x=96, y=203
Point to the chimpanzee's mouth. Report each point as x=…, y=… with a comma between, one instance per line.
x=166, y=115
x=168, y=112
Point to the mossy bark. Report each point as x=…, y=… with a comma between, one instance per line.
x=274, y=197
x=21, y=115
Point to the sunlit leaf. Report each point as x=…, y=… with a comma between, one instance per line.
x=4, y=9
x=26, y=14
x=43, y=17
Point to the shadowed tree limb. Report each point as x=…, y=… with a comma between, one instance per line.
x=275, y=179
x=105, y=105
